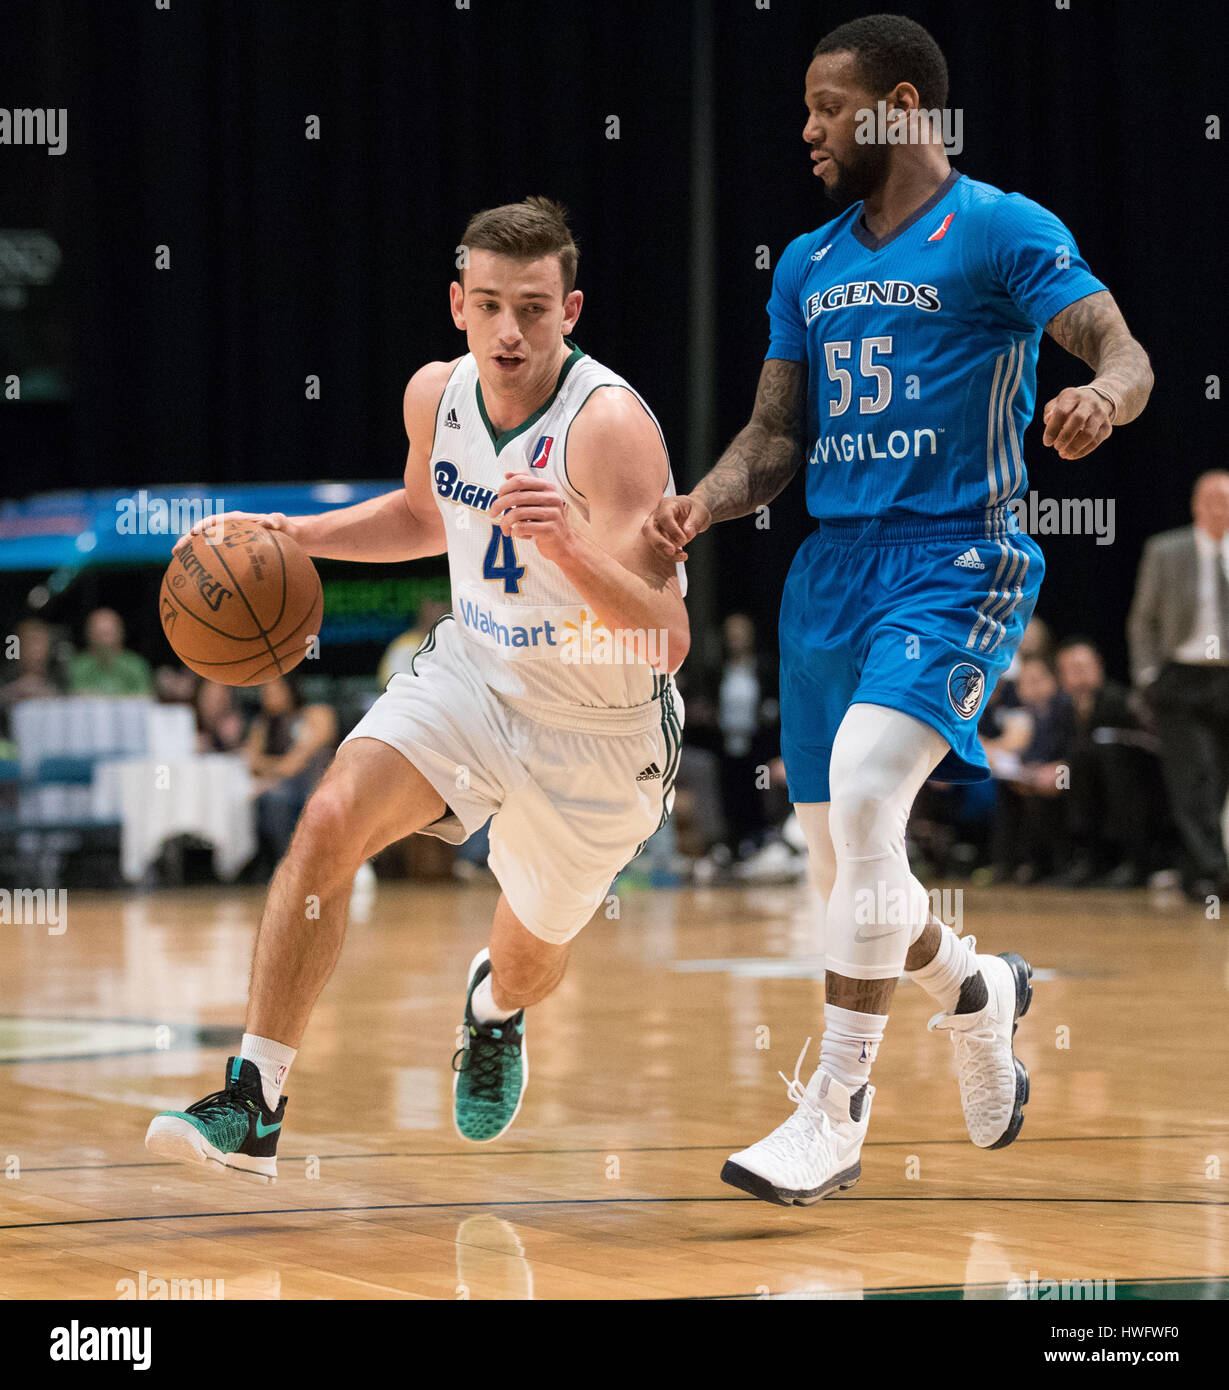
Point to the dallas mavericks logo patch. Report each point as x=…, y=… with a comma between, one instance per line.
x=965, y=687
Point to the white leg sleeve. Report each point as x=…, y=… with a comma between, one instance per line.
x=876, y=909
x=821, y=861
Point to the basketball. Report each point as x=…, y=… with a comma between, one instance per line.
x=241, y=607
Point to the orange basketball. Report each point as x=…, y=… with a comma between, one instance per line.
x=241, y=604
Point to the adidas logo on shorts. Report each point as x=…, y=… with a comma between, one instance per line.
x=649, y=773
x=970, y=560
x=451, y=422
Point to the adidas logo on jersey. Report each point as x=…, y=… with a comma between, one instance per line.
x=451, y=422
x=970, y=560
x=649, y=774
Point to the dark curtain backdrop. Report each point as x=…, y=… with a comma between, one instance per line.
x=332, y=257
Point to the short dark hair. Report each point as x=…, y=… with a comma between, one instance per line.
x=526, y=231
x=890, y=48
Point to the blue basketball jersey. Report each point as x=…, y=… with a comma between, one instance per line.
x=921, y=350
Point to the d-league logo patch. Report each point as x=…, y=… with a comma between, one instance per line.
x=541, y=451
x=966, y=684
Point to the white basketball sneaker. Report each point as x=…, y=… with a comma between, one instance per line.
x=993, y=1080
x=815, y=1152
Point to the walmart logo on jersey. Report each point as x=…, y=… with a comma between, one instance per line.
x=483, y=622
x=895, y=294
x=450, y=485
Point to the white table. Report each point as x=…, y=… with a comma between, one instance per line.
x=209, y=796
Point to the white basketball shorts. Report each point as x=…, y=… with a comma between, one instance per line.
x=572, y=799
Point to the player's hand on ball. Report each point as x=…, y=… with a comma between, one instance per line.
x=533, y=509
x=1076, y=421
x=214, y=525
x=675, y=523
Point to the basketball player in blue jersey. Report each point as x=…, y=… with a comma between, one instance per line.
x=904, y=337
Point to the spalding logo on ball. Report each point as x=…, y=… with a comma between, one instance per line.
x=241, y=604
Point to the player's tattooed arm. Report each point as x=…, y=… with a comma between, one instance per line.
x=764, y=455
x=1081, y=417
x=760, y=460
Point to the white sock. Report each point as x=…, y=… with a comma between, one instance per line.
x=274, y=1061
x=485, y=1009
x=850, y=1044
x=952, y=965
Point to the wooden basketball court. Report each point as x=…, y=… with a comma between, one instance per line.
x=657, y=1057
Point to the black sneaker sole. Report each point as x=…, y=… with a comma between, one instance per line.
x=1023, y=972
x=746, y=1181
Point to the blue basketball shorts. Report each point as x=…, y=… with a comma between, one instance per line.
x=922, y=616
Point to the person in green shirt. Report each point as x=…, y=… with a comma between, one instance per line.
x=105, y=668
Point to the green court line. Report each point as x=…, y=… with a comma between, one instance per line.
x=1185, y=1289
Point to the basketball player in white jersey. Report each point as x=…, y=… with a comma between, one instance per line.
x=545, y=701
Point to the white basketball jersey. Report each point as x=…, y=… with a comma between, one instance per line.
x=531, y=635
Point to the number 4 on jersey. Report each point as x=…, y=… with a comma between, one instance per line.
x=509, y=571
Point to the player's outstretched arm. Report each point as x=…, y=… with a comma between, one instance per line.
x=761, y=459
x=617, y=462
x=396, y=526
x=1081, y=417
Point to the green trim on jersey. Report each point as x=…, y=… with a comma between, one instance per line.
x=427, y=645
x=672, y=733
x=644, y=405
x=498, y=439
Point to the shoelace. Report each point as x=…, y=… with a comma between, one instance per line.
x=798, y=1138
x=485, y=1065
x=218, y=1103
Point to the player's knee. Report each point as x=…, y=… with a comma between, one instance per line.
x=523, y=977
x=866, y=819
x=329, y=835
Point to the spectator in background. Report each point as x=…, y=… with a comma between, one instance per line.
x=1179, y=637
x=175, y=685
x=30, y=668
x=746, y=710
x=399, y=654
x=219, y=725
x=105, y=667
x=1037, y=641
x=1107, y=820
x=288, y=748
x=700, y=824
x=1029, y=840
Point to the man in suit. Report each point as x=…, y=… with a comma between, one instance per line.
x=1107, y=820
x=1179, y=637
